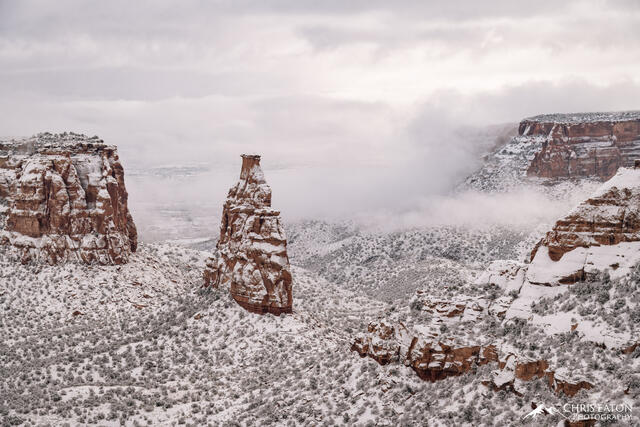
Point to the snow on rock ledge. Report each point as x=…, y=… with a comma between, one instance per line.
x=251, y=255
x=508, y=275
x=63, y=198
x=514, y=370
x=601, y=233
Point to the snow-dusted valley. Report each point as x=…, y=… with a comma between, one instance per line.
x=317, y=322
x=143, y=343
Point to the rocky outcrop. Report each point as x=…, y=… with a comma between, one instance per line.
x=431, y=358
x=567, y=386
x=251, y=254
x=466, y=309
x=384, y=342
x=434, y=357
x=62, y=197
x=582, y=145
x=601, y=233
x=435, y=360
x=513, y=370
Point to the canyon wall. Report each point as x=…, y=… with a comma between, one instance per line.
x=63, y=197
x=603, y=232
x=582, y=145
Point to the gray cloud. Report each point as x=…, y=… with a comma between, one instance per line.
x=43, y=16
x=356, y=106
x=514, y=102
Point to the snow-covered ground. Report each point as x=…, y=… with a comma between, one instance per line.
x=391, y=266
x=144, y=344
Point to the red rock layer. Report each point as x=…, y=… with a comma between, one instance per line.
x=511, y=368
x=609, y=217
x=64, y=198
x=251, y=255
x=574, y=149
x=434, y=360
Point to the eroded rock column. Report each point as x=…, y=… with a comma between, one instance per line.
x=251, y=254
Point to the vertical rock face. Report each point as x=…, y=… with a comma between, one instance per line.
x=62, y=197
x=601, y=233
x=251, y=255
x=583, y=145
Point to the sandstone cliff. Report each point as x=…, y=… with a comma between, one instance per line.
x=583, y=145
x=62, y=197
x=251, y=254
x=601, y=233
x=585, y=148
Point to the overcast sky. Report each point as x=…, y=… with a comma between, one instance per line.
x=313, y=86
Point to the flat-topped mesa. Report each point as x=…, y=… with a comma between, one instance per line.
x=63, y=198
x=583, y=144
x=251, y=255
x=601, y=233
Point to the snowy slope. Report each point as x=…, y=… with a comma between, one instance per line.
x=181, y=355
x=391, y=266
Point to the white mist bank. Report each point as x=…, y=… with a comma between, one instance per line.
x=173, y=203
x=523, y=209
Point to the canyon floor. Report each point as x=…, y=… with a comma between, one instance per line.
x=144, y=344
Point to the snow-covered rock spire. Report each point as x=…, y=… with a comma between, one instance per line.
x=251, y=255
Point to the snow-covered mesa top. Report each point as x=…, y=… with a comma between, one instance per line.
x=576, y=118
x=64, y=199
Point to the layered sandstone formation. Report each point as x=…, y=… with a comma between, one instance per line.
x=513, y=370
x=601, y=233
x=432, y=358
x=582, y=145
x=466, y=309
x=435, y=358
x=251, y=255
x=62, y=197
